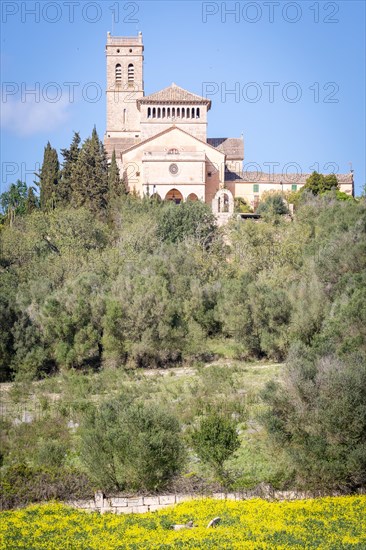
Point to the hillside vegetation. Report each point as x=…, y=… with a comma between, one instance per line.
x=88, y=302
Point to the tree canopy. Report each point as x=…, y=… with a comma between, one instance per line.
x=319, y=183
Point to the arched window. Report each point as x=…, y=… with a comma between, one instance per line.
x=183, y=112
x=192, y=197
x=154, y=112
x=131, y=73
x=173, y=112
x=168, y=115
x=124, y=116
x=178, y=112
x=149, y=112
x=197, y=113
x=118, y=74
x=173, y=152
x=163, y=112
x=188, y=113
x=193, y=112
x=156, y=197
x=159, y=112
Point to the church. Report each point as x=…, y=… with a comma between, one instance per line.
x=161, y=144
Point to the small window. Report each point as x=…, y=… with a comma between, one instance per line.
x=118, y=74
x=294, y=187
x=131, y=73
x=197, y=113
x=256, y=188
x=209, y=174
x=173, y=152
x=149, y=112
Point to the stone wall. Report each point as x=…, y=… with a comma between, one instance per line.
x=142, y=504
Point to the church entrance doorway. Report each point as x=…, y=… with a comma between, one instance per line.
x=175, y=196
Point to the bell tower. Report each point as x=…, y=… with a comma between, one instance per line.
x=125, y=85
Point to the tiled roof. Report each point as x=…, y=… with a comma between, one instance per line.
x=174, y=94
x=233, y=148
x=263, y=177
x=118, y=144
x=233, y=176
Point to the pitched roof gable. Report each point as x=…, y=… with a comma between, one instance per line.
x=232, y=147
x=174, y=94
x=165, y=132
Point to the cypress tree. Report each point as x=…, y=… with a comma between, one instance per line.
x=70, y=158
x=49, y=178
x=31, y=202
x=90, y=176
x=116, y=187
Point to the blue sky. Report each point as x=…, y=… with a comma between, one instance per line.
x=296, y=69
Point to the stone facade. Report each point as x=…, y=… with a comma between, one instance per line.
x=174, y=160
x=161, y=140
x=174, y=106
x=251, y=185
x=125, y=86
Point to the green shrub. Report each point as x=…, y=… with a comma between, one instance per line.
x=127, y=445
x=318, y=414
x=214, y=440
x=21, y=485
x=272, y=204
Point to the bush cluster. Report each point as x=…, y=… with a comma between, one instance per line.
x=159, y=284
x=21, y=485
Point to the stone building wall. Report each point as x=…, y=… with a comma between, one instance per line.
x=252, y=192
x=196, y=129
x=123, y=116
x=149, y=163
